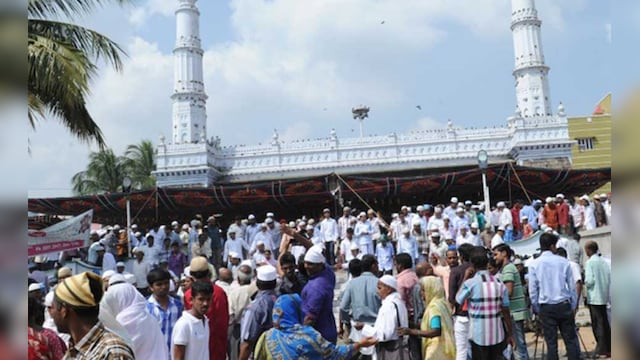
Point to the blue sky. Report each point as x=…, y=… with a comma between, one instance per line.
x=279, y=63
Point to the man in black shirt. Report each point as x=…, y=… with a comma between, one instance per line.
x=460, y=315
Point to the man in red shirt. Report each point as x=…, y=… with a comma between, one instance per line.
x=515, y=216
x=563, y=214
x=218, y=312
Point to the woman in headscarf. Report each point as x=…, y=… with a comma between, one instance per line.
x=124, y=303
x=290, y=340
x=436, y=328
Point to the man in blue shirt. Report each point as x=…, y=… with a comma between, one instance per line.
x=317, y=295
x=552, y=290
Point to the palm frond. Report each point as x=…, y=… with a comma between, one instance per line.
x=69, y=8
x=91, y=43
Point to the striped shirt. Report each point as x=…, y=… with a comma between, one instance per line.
x=166, y=319
x=487, y=295
x=517, y=302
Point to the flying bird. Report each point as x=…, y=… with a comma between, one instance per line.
x=382, y=22
x=324, y=109
x=418, y=107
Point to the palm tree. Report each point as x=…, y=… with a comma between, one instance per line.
x=104, y=174
x=62, y=62
x=140, y=162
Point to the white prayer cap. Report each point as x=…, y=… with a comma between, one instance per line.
x=468, y=202
x=234, y=255
x=210, y=218
x=312, y=221
x=267, y=273
x=119, y=264
x=460, y=209
x=603, y=196
x=394, y=215
x=561, y=196
x=449, y=236
x=249, y=263
x=302, y=223
x=474, y=225
x=292, y=224
x=405, y=230
x=404, y=207
x=94, y=232
x=309, y=227
x=549, y=200
x=362, y=213
x=48, y=299
x=354, y=246
x=185, y=226
x=517, y=261
x=99, y=247
x=270, y=214
x=40, y=259
x=130, y=278
x=251, y=217
x=260, y=242
x=35, y=287
x=174, y=223
x=549, y=230
x=454, y=200
x=137, y=249
x=420, y=208
x=500, y=228
x=314, y=255
x=416, y=222
x=435, y=234
x=500, y=204
x=584, y=197
x=134, y=226
x=116, y=278
x=390, y=281
x=434, y=227
x=264, y=225
x=437, y=209
x=268, y=220
x=445, y=217
x=137, y=234
x=116, y=227
x=107, y=274
x=370, y=211
x=326, y=210
x=476, y=207
x=346, y=208
x=525, y=217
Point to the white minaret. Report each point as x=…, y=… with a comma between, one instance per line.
x=189, y=98
x=532, y=85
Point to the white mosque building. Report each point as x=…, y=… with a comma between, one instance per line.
x=533, y=136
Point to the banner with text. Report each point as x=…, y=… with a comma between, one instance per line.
x=66, y=235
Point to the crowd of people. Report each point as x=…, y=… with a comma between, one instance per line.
x=265, y=289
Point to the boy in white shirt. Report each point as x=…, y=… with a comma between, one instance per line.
x=190, y=336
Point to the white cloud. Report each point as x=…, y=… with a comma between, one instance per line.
x=608, y=32
x=429, y=123
x=139, y=15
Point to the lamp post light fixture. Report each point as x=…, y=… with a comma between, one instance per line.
x=360, y=113
x=126, y=188
x=483, y=160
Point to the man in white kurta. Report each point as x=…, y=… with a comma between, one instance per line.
x=386, y=325
x=329, y=234
x=363, y=233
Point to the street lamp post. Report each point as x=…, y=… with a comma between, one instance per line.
x=361, y=112
x=483, y=159
x=126, y=187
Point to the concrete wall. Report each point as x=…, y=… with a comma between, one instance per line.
x=602, y=236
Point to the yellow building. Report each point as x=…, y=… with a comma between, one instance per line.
x=592, y=134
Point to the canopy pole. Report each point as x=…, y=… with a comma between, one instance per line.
x=384, y=223
x=526, y=193
x=143, y=205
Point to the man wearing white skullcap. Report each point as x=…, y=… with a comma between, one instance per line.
x=505, y=219
x=450, y=210
x=392, y=315
x=344, y=222
x=363, y=234
x=257, y=317
x=317, y=295
x=250, y=232
x=232, y=245
x=329, y=235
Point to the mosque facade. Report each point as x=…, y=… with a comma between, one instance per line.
x=536, y=135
